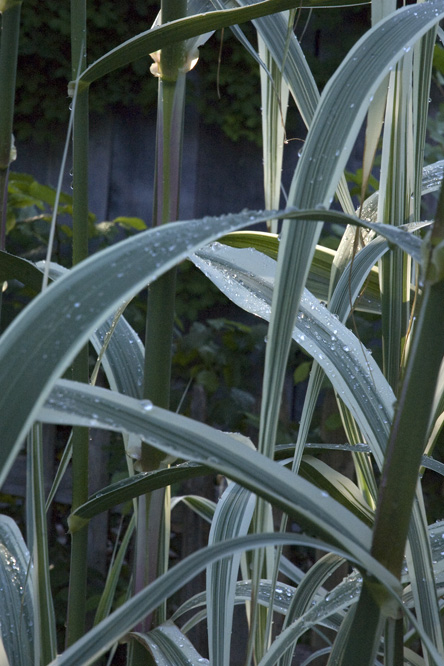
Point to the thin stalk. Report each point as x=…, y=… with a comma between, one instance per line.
x=395, y=207
x=274, y=98
x=80, y=440
x=10, y=29
x=364, y=634
x=409, y=432
x=160, y=312
x=161, y=304
x=407, y=441
x=408, y=436
x=45, y=615
x=394, y=642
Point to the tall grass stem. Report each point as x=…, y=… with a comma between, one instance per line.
x=80, y=439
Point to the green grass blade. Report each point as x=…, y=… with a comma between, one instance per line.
x=119, y=348
x=112, y=578
x=12, y=267
x=177, y=435
x=319, y=275
x=437, y=419
x=338, y=117
x=341, y=597
x=338, y=486
x=431, y=181
x=287, y=53
x=45, y=618
x=308, y=592
x=419, y=563
x=281, y=599
x=396, y=207
x=232, y=518
x=60, y=473
x=102, y=637
x=247, y=278
x=422, y=72
x=42, y=334
x=55, y=326
x=134, y=486
x=17, y=607
x=10, y=31
x=274, y=104
x=169, y=645
x=201, y=506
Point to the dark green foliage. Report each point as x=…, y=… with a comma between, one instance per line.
x=44, y=56
x=29, y=213
x=326, y=34
x=228, y=92
x=434, y=147
x=220, y=356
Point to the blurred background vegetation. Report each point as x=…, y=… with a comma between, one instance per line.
x=226, y=93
